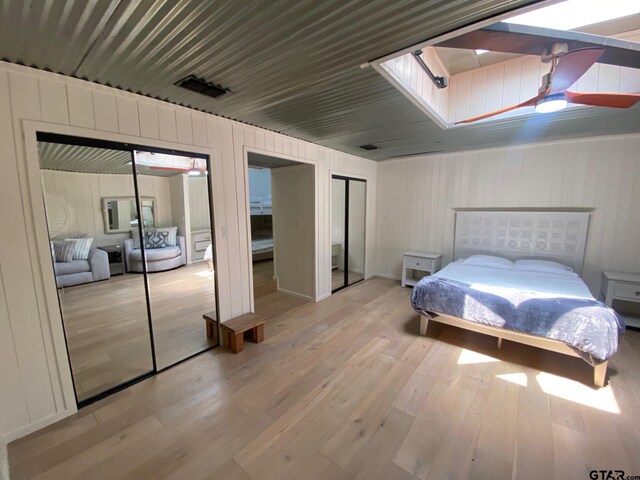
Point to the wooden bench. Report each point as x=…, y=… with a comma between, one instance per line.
x=233, y=330
x=211, y=324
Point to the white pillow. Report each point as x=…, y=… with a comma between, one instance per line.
x=488, y=261
x=545, y=266
x=83, y=246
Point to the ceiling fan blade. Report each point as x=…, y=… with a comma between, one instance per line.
x=612, y=100
x=572, y=66
x=528, y=103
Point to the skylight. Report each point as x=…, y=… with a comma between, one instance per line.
x=572, y=14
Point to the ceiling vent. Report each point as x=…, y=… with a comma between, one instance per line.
x=369, y=146
x=200, y=86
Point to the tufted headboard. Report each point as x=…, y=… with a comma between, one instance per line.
x=548, y=235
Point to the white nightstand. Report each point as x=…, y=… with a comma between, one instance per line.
x=422, y=262
x=622, y=286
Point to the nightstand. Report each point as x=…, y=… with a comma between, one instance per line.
x=419, y=264
x=116, y=258
x=623, y=287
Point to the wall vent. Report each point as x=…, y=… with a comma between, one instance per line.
x=198, y=85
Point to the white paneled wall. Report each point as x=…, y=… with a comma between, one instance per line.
x=36, y=382
x=503, y=84
x=293, y=194
x=406, y=71
x=417, y=197
x=199, y=203
x=83, y=193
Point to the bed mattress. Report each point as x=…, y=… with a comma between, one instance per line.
x=556, y=306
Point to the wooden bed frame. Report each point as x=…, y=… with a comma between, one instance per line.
x=599, y=371
x=559, y=236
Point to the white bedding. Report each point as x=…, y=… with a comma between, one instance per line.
x=262, y=245
x=493, y=279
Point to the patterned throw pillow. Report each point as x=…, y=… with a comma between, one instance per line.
x=156, y=239
x=64, y=249
x=83, y=246
x=173, y=232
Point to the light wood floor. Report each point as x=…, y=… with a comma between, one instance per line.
x=107, y=329
x=263, y=281
x=346, y=388
x=337, y=278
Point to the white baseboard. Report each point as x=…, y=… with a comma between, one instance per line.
x=43, y=422
x=296, y=294
x=322, y=297
x=384, y=275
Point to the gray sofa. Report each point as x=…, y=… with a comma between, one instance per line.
x=158, y=259
x=95, y=268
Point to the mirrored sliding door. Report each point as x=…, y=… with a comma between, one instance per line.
x=348, y=215
x=131, y=237
x=176, y=252
x=90, y=204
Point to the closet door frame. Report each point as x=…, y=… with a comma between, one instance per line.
x=347, y=181
x=60, y=138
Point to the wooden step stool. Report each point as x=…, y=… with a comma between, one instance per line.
x=211, y=324
x=233, y=330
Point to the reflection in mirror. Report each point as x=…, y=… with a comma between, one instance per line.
x=357, y=193
x=338, y=244
x=121, y=214
x=178, y=255
x=104, y=311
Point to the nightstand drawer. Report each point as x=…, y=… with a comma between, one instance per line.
x=418, y=263
x=627, y=290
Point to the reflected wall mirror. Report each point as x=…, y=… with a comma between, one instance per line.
x=132, y=293
x=121, y=214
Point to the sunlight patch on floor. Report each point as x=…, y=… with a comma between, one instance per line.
x=468, y=357
x=517, y=378
x=601, y=398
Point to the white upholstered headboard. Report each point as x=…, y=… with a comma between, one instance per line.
x=557, y=236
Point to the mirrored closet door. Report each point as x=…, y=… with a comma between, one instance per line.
x=133, y=257
x=176, y=252
x=90, y=202
x=348, y=200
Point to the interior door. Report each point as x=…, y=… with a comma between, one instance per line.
x=356, y=230
x=348, y=225
x=177, y=250
x=90, y=205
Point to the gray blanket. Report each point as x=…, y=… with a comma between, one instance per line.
x=589, y=326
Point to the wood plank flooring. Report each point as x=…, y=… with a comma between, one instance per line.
x=347, y=389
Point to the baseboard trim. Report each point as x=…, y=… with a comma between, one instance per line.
x=322, y=297
x=295, y=294
x=37, y=425
x=384, y=275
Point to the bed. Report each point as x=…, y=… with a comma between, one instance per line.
x=521, y=289
x=261, y=247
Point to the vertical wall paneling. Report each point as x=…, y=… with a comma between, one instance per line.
x=128, y=120
x=601, y=173
x=105, y=112
x=149, y=127
x=53, y=101
x=294, y=228
x=38, y=383
x=81, y=112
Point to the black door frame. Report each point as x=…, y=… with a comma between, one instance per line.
x=131, y=148
x=347, y=181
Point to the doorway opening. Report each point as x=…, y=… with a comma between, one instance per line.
x=282, y=223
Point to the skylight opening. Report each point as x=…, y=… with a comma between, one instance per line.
x=572, y=14
x=481, y=51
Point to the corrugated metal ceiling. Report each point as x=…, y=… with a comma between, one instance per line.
x=292, y=66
